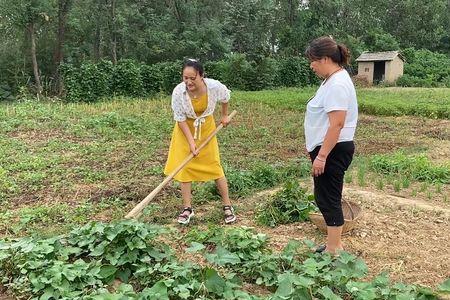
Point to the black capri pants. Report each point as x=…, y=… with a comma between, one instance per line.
x=328, y=186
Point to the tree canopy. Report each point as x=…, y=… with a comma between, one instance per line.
x=37, y=36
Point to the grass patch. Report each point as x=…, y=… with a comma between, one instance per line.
x=48, y=219
x=244, y=182
x=416, y=167
x=79, y=153
x=425, y=102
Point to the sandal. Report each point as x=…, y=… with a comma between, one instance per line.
x=184, y=218
x=320, y=249
x=230, y=217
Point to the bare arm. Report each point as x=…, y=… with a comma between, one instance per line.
x=188, y=135
x=337, y=121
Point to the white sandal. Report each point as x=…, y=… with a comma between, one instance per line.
x=229, y=217
x=184, y=218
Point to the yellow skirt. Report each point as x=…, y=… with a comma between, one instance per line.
x=206, y=165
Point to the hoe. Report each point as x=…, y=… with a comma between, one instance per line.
x=137, y=210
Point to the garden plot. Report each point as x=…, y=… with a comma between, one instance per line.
x=62, y=166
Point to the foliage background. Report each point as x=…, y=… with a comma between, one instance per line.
x=246, y=41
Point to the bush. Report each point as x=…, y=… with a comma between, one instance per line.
x=127, y=80
x=89, y=87
x=261, y=75
x=106, y=68
x=87, y=83
x=425, y=69
x=414, y=81
x=293, y=71
x=446, y=81
x=236, y=72
x=171, y=75
x=152, y=79
x=91, y=81
x=70, y=75
x=216, y=70
x=5, y=93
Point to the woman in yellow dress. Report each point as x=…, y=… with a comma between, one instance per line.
x=193, y=104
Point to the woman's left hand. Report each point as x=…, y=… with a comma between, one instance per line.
x=318, y=167
x=225, y=121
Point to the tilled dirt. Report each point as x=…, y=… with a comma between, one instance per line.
x=408, y=238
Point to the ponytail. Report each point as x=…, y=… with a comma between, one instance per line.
x=344, y=54
x=327, y=47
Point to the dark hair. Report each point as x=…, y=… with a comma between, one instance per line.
x=190, y=62
x=327, y=47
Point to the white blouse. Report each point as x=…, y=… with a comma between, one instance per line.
x=337, y=93
x=182, y=105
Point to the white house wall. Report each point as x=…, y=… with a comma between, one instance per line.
x=365, y=69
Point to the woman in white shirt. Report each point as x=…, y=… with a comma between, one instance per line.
x=330, y=123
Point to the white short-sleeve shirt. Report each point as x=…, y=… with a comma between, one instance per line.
x=336, y=93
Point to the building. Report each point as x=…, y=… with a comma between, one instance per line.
x=378, y=67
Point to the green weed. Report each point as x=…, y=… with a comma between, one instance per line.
x=291, y=204
x=412, y=167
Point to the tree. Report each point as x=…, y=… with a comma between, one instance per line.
x=37, y=35
x=63, y=10
x=377, y=40
x=424, y=30
x=29, y=16
x=112, y=29
x=250, y=25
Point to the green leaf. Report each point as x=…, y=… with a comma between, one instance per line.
x=157, y=291
x=195, y=247
x=182, y=290
x=445, y=287
x=125, y=288
x=362, y=290
x=222, y=257
x=36, y=282
x=66, y=251
x=328, y=294
x=214, y=283
x=284, y=288
x=124, y=275
x=136, y=243
x=3, y=255
x=107, y=271
x=381, y=280
x=291, y=249
x=48, y=294
x=112, y=232
x=303, y=281
x=113, y=256
x=99, y=249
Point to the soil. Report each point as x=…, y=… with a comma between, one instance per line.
x=406, y=237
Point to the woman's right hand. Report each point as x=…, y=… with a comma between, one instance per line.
x=193, y=149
